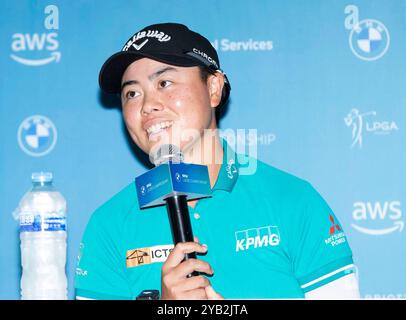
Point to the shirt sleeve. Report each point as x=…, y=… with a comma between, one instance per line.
x=321, y=253
x=100, y=274
x=344, y=288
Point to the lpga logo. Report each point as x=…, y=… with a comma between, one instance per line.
x=369, y=39
x=35, y=42
x=37, y=136
x=359, y=124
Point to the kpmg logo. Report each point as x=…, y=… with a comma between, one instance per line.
x=361, y=124
x=37, y=136
x=26, y=47
x=369, y=39
x=257, y=238
x=377, y=218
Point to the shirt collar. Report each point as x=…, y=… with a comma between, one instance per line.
x=228, y=173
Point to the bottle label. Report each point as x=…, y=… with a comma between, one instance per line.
x=32, y=222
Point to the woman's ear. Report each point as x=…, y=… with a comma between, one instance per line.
x=215, y=84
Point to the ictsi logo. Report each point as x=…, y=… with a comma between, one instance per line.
x=377, y=218
x=37, y=49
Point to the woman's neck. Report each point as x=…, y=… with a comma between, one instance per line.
x=207, y=151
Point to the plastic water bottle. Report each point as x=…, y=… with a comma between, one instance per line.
x=42, y=216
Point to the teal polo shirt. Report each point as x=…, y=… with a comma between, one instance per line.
x=269, y=235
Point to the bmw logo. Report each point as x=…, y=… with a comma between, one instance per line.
x=177, y=176
x=369, y=40
x=37, y=136
x=143, y=190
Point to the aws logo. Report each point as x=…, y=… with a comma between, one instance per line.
x=26, y=47
x=377, y=218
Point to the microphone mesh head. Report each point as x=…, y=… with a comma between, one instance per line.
x=165, y=153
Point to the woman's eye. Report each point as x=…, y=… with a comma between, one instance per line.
x=131, y=94
x=164, y=83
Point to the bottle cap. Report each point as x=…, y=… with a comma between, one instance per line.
x=41, y=177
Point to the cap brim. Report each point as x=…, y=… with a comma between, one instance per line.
x=113, y=69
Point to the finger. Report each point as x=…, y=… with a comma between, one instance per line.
x=188, y=266
x=177, y=276
x=213, y=295
x=196, y=294
x=178, y=253
x=196, y=239
x=193, y=283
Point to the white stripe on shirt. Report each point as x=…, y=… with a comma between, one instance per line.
x=327, y=276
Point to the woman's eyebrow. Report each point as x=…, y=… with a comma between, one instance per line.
x=126, y=83
x=161, y=71
x=151, y=77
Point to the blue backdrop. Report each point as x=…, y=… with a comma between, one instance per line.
x=322, y=82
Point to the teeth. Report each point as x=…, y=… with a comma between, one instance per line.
x=157, y=127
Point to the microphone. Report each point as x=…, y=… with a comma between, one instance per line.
x=165, y=153
x=172, y=183
x=176, y=204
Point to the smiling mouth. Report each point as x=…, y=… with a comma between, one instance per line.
x=158, y=127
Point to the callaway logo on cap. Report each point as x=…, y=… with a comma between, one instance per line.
x=170, y=43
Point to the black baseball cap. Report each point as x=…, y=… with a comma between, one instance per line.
x=170, y=43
